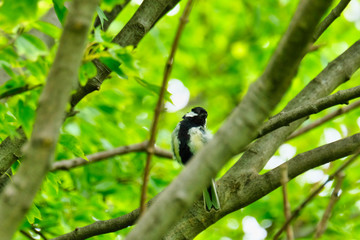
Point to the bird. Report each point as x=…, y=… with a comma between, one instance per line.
x=188, y=137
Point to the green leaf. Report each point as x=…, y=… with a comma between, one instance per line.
x=26, y=116
x=114, y=65
x=60, y=10
x=97, y=35
x=33, y=213
x=101, y=15
x=30, y=46
x=106, y=187
x=87, y=71
x=152, y=87
x=72, y=144
x=48, y=28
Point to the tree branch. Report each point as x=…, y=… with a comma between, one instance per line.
x=335, y=13
x=285, y=118
x=321, y=227
x=26, y=235
x=159, y=105
x=96, y=157
x=17, y=196
x=11, y=150
x=325, y=119
x=287, y=209
x=18, y=90
x=236, y=195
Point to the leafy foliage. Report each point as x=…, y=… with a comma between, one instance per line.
x=224, y=48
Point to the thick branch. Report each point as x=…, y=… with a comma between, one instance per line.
x=17, y=196
x=96, y=157
x=285, y=118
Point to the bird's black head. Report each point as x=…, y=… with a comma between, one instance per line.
x=197, y=116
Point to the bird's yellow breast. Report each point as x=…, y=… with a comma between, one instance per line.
x=197, y=140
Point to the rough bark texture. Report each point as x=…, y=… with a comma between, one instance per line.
x=17, y=196
x=239, y=129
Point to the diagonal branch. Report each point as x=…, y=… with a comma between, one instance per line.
x=335, y=13
x=18, y=195
x=96, y=157
x=285, y=118
x=325, y=119
x=321, y=227
x=287, y=209
x=18, y=90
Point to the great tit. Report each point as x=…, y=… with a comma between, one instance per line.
x=189, y=136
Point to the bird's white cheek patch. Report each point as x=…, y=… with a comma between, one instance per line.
x=196, y=140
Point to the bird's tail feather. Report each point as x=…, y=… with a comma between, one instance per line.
x=211, y=199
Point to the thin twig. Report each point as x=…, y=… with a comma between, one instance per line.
x=296, y=212
x=27, y=235
x=39, y=233
x=287, y=209
x=325, y=119
x=321, y=227
x=18, y=90
x=335, y=13
x=159, y=105
x=96, y=157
